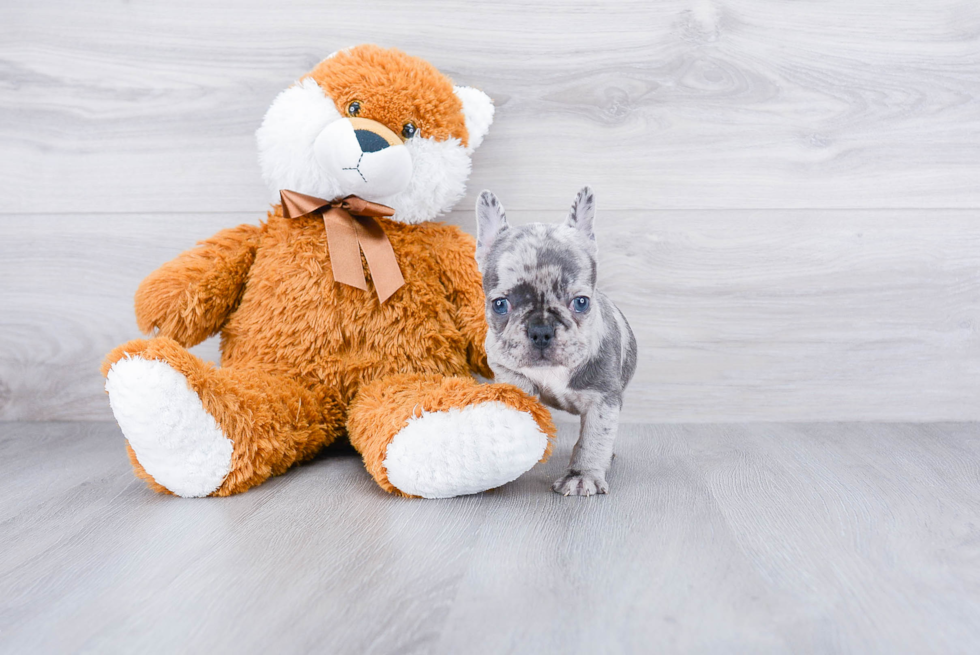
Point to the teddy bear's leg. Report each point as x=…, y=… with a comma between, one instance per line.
x=197, y=430
x=436, y=437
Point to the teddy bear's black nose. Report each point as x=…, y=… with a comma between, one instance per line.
x=541, y=334
x=369, y=141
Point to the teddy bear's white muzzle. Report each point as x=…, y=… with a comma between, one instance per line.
x=359, y=154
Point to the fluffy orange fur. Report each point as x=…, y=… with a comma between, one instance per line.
x=393, y=88
x=306, y=360
x=273, y=422
x=383, y=407
x=189, y=298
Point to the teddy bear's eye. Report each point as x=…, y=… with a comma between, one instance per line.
x=354, y=108
x=409, y=130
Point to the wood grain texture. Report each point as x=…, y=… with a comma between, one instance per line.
x=66, y=299
x=742, y=315
x=149, y=107
x=715, y=538
x=788, y=192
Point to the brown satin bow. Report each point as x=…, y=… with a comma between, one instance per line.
x=351, y=228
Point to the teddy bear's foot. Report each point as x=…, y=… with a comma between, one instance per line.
x=174, y=439
x=464, y=451
x=198, y=430
x=436, y=437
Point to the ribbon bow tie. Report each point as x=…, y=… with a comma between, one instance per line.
x=351, y=228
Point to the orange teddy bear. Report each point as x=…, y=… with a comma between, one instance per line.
x=365, y=149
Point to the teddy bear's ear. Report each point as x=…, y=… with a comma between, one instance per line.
x=478, y=111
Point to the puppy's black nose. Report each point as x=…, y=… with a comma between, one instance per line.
x=369, y=141
x=541, y=334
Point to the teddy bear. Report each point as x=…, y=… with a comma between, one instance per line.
x=347, y=313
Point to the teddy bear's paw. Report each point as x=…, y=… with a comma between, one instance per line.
x=175, y=440
x=463, y=451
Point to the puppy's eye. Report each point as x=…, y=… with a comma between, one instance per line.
x=501, y=306
x=354, y=108
x=409, y=130
x=580, y=304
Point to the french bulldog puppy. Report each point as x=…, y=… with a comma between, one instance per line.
x=552, y=333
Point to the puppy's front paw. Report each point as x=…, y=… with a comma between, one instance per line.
x=581, y=483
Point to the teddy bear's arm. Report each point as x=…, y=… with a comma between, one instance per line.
x=189, y=298
x=462, y=280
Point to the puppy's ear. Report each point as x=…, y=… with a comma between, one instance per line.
x=478, y=113
x=582, y=214
x=490, y=222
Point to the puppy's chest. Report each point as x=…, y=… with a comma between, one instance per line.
x=552, y=385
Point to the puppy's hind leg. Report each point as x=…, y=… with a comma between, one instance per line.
x=592, y=455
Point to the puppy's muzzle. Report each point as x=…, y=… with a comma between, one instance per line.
x=541, y=334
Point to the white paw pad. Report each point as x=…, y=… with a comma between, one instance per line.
x=464, y=451
x=174, y=438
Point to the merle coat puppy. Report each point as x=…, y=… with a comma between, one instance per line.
x=552, y=333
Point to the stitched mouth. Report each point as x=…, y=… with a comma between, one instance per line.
x=357, y=167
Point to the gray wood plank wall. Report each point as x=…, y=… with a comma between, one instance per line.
x=788, y=191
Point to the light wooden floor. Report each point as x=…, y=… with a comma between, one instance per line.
x=859, y=538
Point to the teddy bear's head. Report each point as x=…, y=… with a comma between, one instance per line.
x=379, y=124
